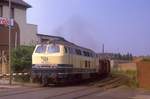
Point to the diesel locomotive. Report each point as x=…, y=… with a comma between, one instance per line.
x=61, y=61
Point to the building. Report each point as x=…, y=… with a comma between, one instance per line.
x=22, y=33
x=18, y=13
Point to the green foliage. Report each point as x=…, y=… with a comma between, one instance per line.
x=132, y=77
x=22, y=59
x=119, y=56
x=133, y=82
x=22, y=78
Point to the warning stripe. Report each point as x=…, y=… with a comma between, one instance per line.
x=14, y=74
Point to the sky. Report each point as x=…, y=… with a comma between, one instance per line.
x=121, y=25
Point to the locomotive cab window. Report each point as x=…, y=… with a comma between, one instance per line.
x=40, y=49
x=53, y=48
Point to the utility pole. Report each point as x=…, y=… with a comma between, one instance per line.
x=103, y=48
x=10, y=71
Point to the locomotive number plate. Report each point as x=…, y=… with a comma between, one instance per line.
x=44, y=59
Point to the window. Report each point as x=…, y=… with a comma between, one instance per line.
x=86, y=53
x=78, y=52
x=12, y=13
x=1, y=10
x=53, y=48
x=85, y=64
x=41, y=49
x=89, y=64
x=66, y=50
x=91, y=55
x=70, y=50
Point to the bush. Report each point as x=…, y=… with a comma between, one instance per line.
x=22, y=78
x=22, y=59
x=132, y=77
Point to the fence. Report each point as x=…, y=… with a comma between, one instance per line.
x=14, y=74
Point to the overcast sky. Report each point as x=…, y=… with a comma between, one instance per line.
x=122, y=25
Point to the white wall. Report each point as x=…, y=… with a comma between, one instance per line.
x=5, y=12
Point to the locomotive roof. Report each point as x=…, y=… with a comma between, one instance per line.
x=69, y=44
x=62, y=41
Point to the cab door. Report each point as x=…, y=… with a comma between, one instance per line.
x=70, y=55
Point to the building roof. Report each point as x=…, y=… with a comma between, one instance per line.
x=17, y=2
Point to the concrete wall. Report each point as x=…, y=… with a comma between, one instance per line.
x=127, y=66
x=122, y=65
x=29, y=37
x=27, y=31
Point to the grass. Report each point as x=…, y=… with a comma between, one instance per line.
x=131, y=75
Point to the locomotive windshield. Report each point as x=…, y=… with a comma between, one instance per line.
x=41, y=49
x=53, y=48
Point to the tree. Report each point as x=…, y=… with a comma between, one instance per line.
x=131, y=57
x=22, y=59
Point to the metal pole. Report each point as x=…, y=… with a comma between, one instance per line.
x=103, y=48
x=10, y=71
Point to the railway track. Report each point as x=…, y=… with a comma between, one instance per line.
x=95, y=87
x=110, y=82
x=12, y=92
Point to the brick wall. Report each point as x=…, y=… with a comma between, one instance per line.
x=143, y=69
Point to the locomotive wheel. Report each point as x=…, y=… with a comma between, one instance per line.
x=44, y=81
